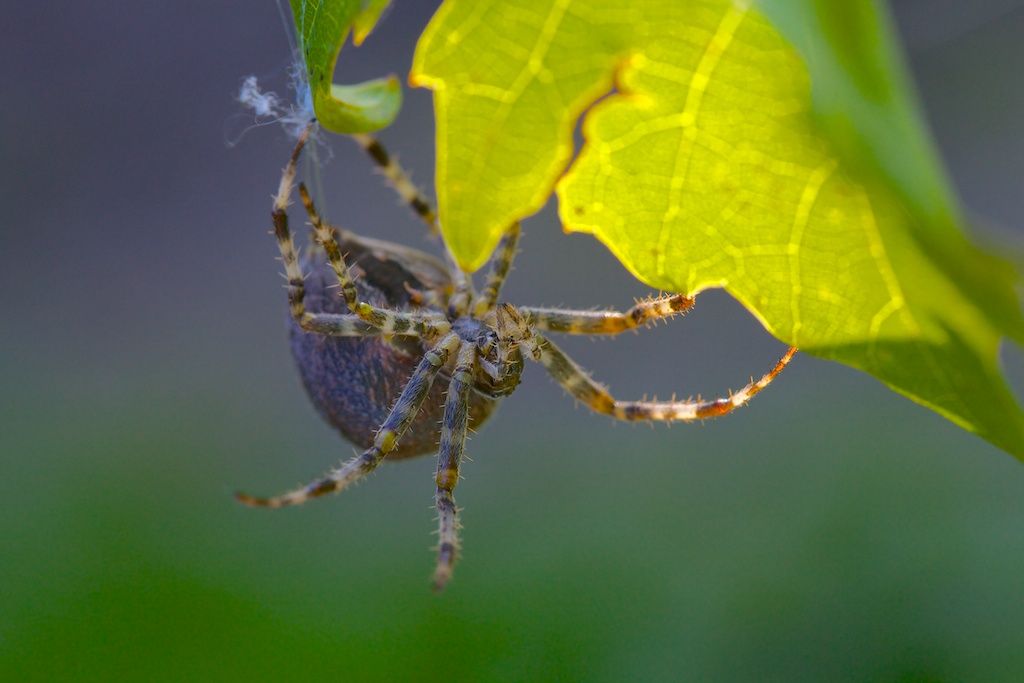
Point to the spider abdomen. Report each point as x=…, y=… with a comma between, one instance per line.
x=354, y=381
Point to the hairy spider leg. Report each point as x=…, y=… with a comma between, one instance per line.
x=578, y=383
x=501, y=264
x=387, y=438
x=320, y=323
x=293, y=274
x=388, y=322
x=607, y=322
x=400, y=180
x=449, y=458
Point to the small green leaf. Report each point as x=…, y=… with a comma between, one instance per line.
x=712, y=162
x=367, y=19
x=322, y=26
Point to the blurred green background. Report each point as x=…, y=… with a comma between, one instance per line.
x=829, y=531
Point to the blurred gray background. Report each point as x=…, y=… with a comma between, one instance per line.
x=829, y=531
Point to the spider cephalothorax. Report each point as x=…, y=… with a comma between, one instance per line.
x=375, y=325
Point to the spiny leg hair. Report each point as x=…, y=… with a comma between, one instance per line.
x=578, y=383
x=449, y=458
x=501, y=264
x=388, y=322
x=397, y=422
x=607, y=322
x=513, y=330
x=400, y=180
x=319, y=323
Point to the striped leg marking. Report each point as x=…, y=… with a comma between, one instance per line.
x=395, y=425
x=449, y=458
x=501, y=263
x=388, y=322
x=607, y=322
x=293, y=274
x=575, y=381
x=422, y=207
x=399, y=179
x=337, y=325
x=320, y=323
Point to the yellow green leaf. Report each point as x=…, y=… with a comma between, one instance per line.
x=772, y=150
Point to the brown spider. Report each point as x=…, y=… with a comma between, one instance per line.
x=369, y=358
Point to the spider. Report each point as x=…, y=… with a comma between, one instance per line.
x=371, y=358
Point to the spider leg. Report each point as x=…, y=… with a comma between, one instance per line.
x=399, y=180
x=320, y=323
x=293, y=274
x=337, y=325
x=449, y=458
x=422, y=207
x=607, y=322
x=578, y=383
x=387, y=438
x=501, y=263
x=388, y=322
